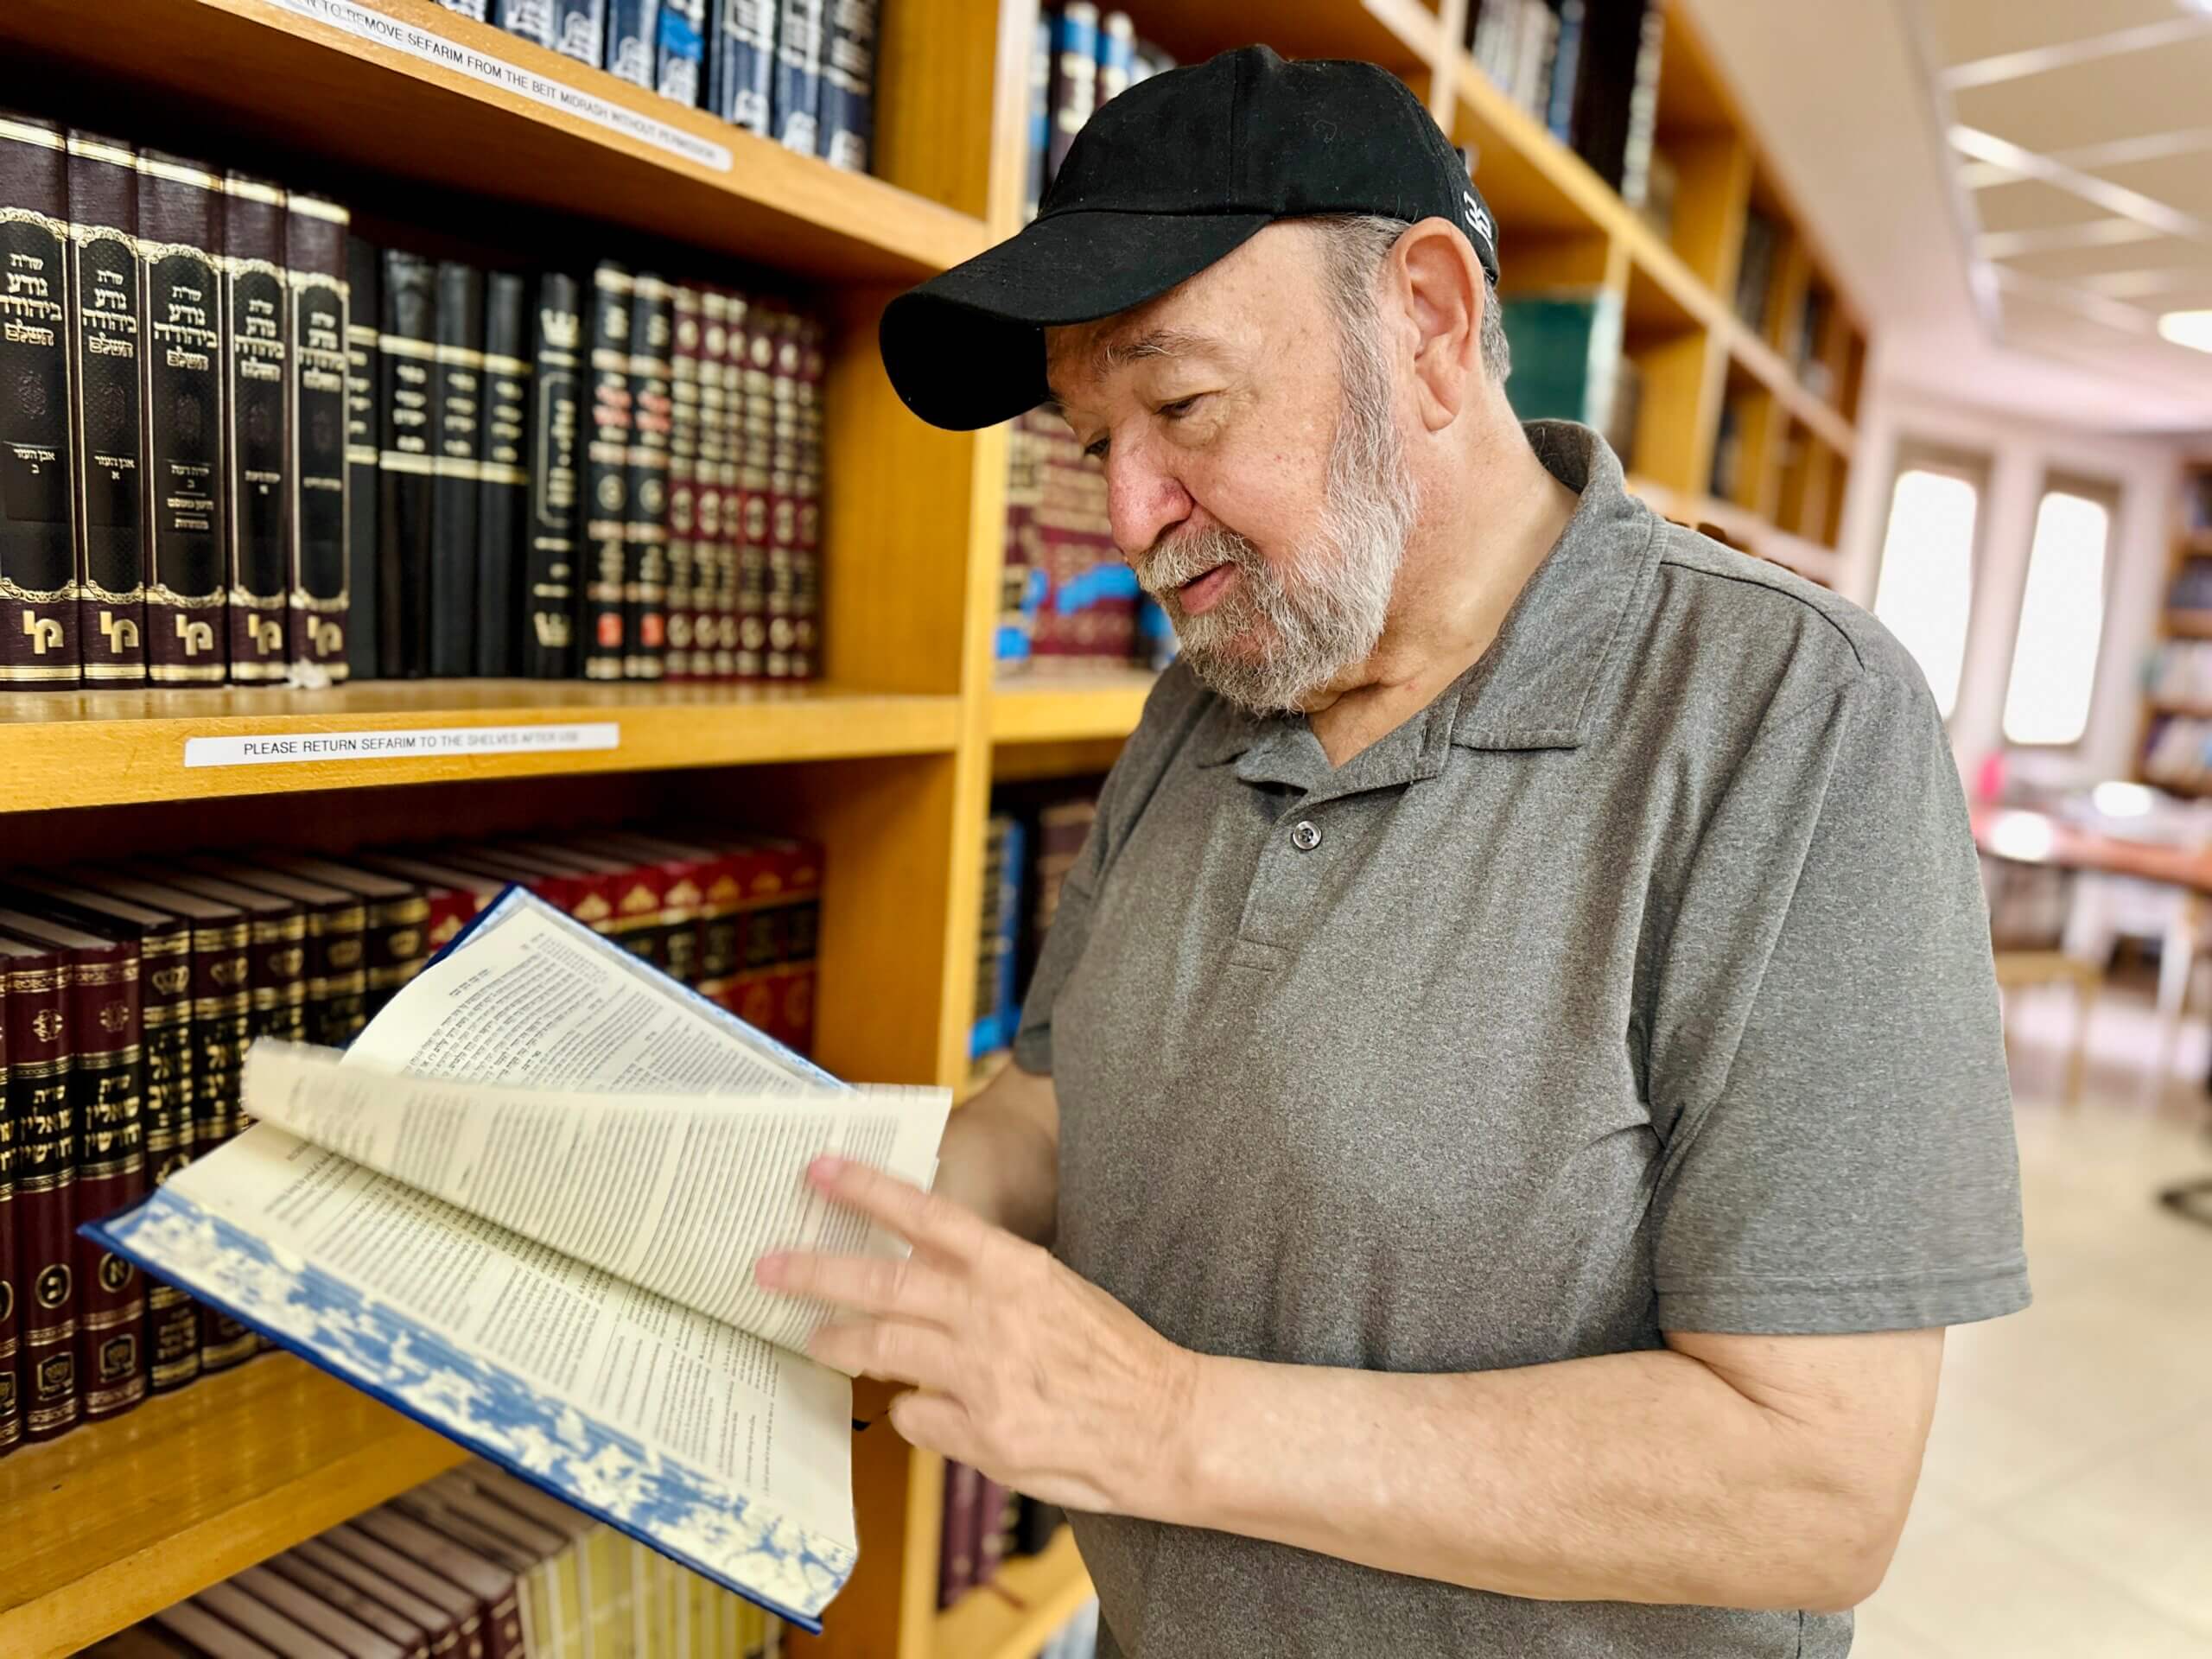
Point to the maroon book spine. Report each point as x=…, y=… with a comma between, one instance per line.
x=222, y=1018
x=679, y=661
x=11, y=1410
x=756, y=431
x=730, y=371
x=111, y=1070
x=38, y=566
x=807, y=548
x=46, y=1187
x=783, y=498
x=956, y=1547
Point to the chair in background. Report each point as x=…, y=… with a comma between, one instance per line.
x=2029, y=937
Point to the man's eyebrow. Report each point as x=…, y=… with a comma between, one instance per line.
x=1111, y=354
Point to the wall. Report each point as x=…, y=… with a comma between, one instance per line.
x=2020, y=453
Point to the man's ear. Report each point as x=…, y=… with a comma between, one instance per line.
x=1442, y=287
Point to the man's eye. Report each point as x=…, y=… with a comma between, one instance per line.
x=1181, y=406
x=1096, y=450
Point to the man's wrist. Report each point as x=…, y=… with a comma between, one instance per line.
x=1168, y=1443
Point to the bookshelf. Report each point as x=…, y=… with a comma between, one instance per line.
x=2171, y=702
x=889, y=761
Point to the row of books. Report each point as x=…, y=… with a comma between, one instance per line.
x=986, y=1523
x=129, y=993
x=2178, y=755
x=2197, y=501
x=1068, y=594
x=1032, y=840
x=621, y=480
x=2179, y=672
x=475, y=1564
x=2192, y=586
x=173, y=438
x=1078, y=62
x=802, y=71
x=1587, y=69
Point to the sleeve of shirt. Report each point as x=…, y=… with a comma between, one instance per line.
x=1826, y=1065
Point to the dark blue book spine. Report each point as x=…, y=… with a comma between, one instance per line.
x=848, y=114
x=798, y=75
x=475, y=9
x=581, y=29
x=633, y=37
x=1566, y=62
x=533, y=20
x=744, y=53
x=678, y=72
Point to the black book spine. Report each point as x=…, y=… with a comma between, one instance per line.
x=581, y=29
x=107, y=334
x=533, y=20
x=179, y=231
x=848, y=85
x=38, y=565
x=549, y=645
x=407, y=371
x=744, y=51
x=318, y=601
x=684, y=466
x=645, y=565
x=503, y=500
x=364, y=431
x=458, y=404
x=798, y=75
x=607, y=463
x=254, y=326
x=11, y=1278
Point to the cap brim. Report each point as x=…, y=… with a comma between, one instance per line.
x=967, y=349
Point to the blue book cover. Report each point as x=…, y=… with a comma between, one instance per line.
x=847, y=111
x=580, y=30
x=678, y=68
x=797, y=116
x=1567, y=64
x=742, y=54
x=446, y=1265
x=998, y=1005
x=533, y=20
x=632, y=40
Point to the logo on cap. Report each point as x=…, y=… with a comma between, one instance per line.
x=1478, y=218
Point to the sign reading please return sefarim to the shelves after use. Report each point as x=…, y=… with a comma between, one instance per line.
x=369, y=24
x=427, y=743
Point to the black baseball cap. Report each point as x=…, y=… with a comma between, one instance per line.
x=1177, y=172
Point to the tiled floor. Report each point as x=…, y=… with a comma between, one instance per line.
x=2065, y=1508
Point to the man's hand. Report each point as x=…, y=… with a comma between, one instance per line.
x=1020, y=1367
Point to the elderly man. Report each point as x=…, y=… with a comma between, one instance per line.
x=1514, y=1091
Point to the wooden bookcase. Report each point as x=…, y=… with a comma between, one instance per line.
x=2179, y=624
x=890, y=759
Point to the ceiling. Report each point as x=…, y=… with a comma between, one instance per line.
x=2014, y=189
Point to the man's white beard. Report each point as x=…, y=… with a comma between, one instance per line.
x=1273, y=641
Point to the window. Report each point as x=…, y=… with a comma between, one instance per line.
x=2061, y=619
x=1925, y=593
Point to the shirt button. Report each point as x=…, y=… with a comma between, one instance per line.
x=1305, y=836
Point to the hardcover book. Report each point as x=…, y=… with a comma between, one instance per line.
x=45, y=1198
x=684, y=442
x=11, y=1279
x=607, y=471
x=275, y=969
x=795, y=115
x=644, y=564
x=755, y=342
x=107, y=310
x=364, y=434
x=681, y=51
x=847, y=115
x=38, y=570
x=504, y=494
x=722, y=397
x=1075, y=79
x=406, y=463
x=742, y=70
x=256, y=336
x=581, y=27
x=632, y=40
x=317, y=599
x=449, y=1120
x=457, y=406
x=549, y=647
x=533, y=20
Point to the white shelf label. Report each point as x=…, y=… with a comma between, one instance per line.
x=429, y=743
x=368, y=25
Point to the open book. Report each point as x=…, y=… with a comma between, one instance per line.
x=523, y=1207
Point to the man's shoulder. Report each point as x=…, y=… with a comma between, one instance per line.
x=1752, y=624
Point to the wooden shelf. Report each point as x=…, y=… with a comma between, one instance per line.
x=307, y=87
x=1754, y=534
x=97, y=748
x=1016, y=1613
x=2190, y=625
x=1044, y=707
x=116, y=1521
x=2183, y=710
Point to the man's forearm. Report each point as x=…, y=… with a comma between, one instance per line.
x=1642, y=1477
x=1000, y=1155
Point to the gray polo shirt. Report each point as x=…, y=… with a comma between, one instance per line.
x=1640, y=983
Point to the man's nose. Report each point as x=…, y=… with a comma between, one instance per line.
x=1144, y=500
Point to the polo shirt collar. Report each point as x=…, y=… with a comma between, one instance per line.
x=1537, y=686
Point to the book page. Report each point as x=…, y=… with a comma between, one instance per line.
x=676, y=1193
x=686, y=1387
x=532, y=997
